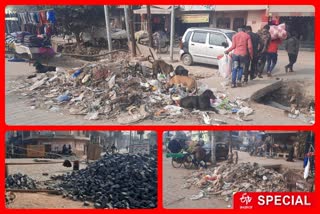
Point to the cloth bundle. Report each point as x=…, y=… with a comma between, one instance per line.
x=278, y=32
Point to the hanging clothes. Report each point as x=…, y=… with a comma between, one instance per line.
x=51, y=16
x=43, y=17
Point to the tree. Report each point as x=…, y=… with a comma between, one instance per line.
x=75, y=19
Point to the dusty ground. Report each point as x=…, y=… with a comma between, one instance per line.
x=43, y=200
x=174, y=196
x=36, y=171
x=19, y=112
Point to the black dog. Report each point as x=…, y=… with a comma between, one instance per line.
x=180, y=70
x=201, y=102
x=43, y=68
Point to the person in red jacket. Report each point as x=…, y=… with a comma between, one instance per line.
x=272, y=55
x=242, y=46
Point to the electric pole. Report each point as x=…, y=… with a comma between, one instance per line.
x=149, y=25
x=172, y=33
x=106, y=14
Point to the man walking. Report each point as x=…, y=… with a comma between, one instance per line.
x=265, y=38
x=242, y=46
x=251, y=67
x=272, y=55
x=292, y=47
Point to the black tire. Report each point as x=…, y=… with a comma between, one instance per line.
x=187, y=59
x=175, y=163
x=188, y=162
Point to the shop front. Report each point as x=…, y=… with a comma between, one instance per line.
x=299, y=19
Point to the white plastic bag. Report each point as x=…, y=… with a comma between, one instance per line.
x=225, y=64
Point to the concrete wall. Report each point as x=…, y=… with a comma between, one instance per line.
x=255, y=20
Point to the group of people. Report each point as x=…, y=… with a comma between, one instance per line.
x=66, y=150
x=251, y=51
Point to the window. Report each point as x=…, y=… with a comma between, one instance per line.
x=217, y=39
x=238, y=23
x=223, y=23
x=199, y=37
x=188, y=36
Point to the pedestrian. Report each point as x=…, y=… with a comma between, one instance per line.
x=242, y=46
x=292, y=47
x=265, y=38
x=272, y=55
x=69, y=150
x=251, y=67
x=113, y=149
x=64, y=149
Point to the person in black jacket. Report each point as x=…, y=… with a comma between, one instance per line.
x=292, y=47
x=251, y=66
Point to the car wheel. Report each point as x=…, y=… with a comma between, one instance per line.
x=187, y=59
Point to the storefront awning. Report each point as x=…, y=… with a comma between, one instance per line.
x=239, y=7
x=195, y=18
x=291, y=10
x=154, y=10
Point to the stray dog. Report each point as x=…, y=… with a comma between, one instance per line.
x=187, y=82
x=43, y=68
x=180, y=70
x=160, y=66
x=201, y=102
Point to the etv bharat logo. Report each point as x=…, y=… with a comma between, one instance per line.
x=245, y=199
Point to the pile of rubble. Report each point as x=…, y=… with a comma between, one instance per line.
x=115, y=181
x=118, y=92
x=244, y=177
x=20, y=181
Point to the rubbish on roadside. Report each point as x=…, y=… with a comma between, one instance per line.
x=245, y=111
x=173, y=110
x=206, y=118
x=65, y=97
x=92, y=116
x=76, y=73
x=198, y=196
x=228, y=178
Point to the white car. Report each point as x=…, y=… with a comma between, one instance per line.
x=204, y=45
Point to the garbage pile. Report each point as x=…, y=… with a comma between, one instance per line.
x=122, y=92
x=97, y=90
x=20, y=181
x=228, y=178
x=115, y=181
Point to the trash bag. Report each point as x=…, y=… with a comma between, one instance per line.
x=225, y=63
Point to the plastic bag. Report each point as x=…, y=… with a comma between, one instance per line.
x=225, y=63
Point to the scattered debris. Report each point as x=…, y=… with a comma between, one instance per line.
x=229, y=178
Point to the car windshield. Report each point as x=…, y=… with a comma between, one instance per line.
x=230, y=35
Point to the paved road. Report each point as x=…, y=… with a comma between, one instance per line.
x=18, y=111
